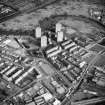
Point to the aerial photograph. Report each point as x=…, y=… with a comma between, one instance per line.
x=52, y=52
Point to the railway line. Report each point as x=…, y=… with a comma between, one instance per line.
x=74, y=87
x=89, y=101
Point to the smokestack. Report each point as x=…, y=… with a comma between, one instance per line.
x=38, y=32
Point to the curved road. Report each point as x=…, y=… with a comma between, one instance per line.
x=79, y=17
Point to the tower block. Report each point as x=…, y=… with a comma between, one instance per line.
x=38, y=32
x=58, y=27
x=43, y=41
x=60, y=36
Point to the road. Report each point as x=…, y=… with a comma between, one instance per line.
x=73, y=88
x=40, y=6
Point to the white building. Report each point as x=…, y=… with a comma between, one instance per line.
x=69, y=45
x=52, y=49
x=11, y=70
x=58, y=27
x=66, y=42
x=60, y=36
x=38, y=32
x=55, y=52
x=57, y=102
x=43, y=41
